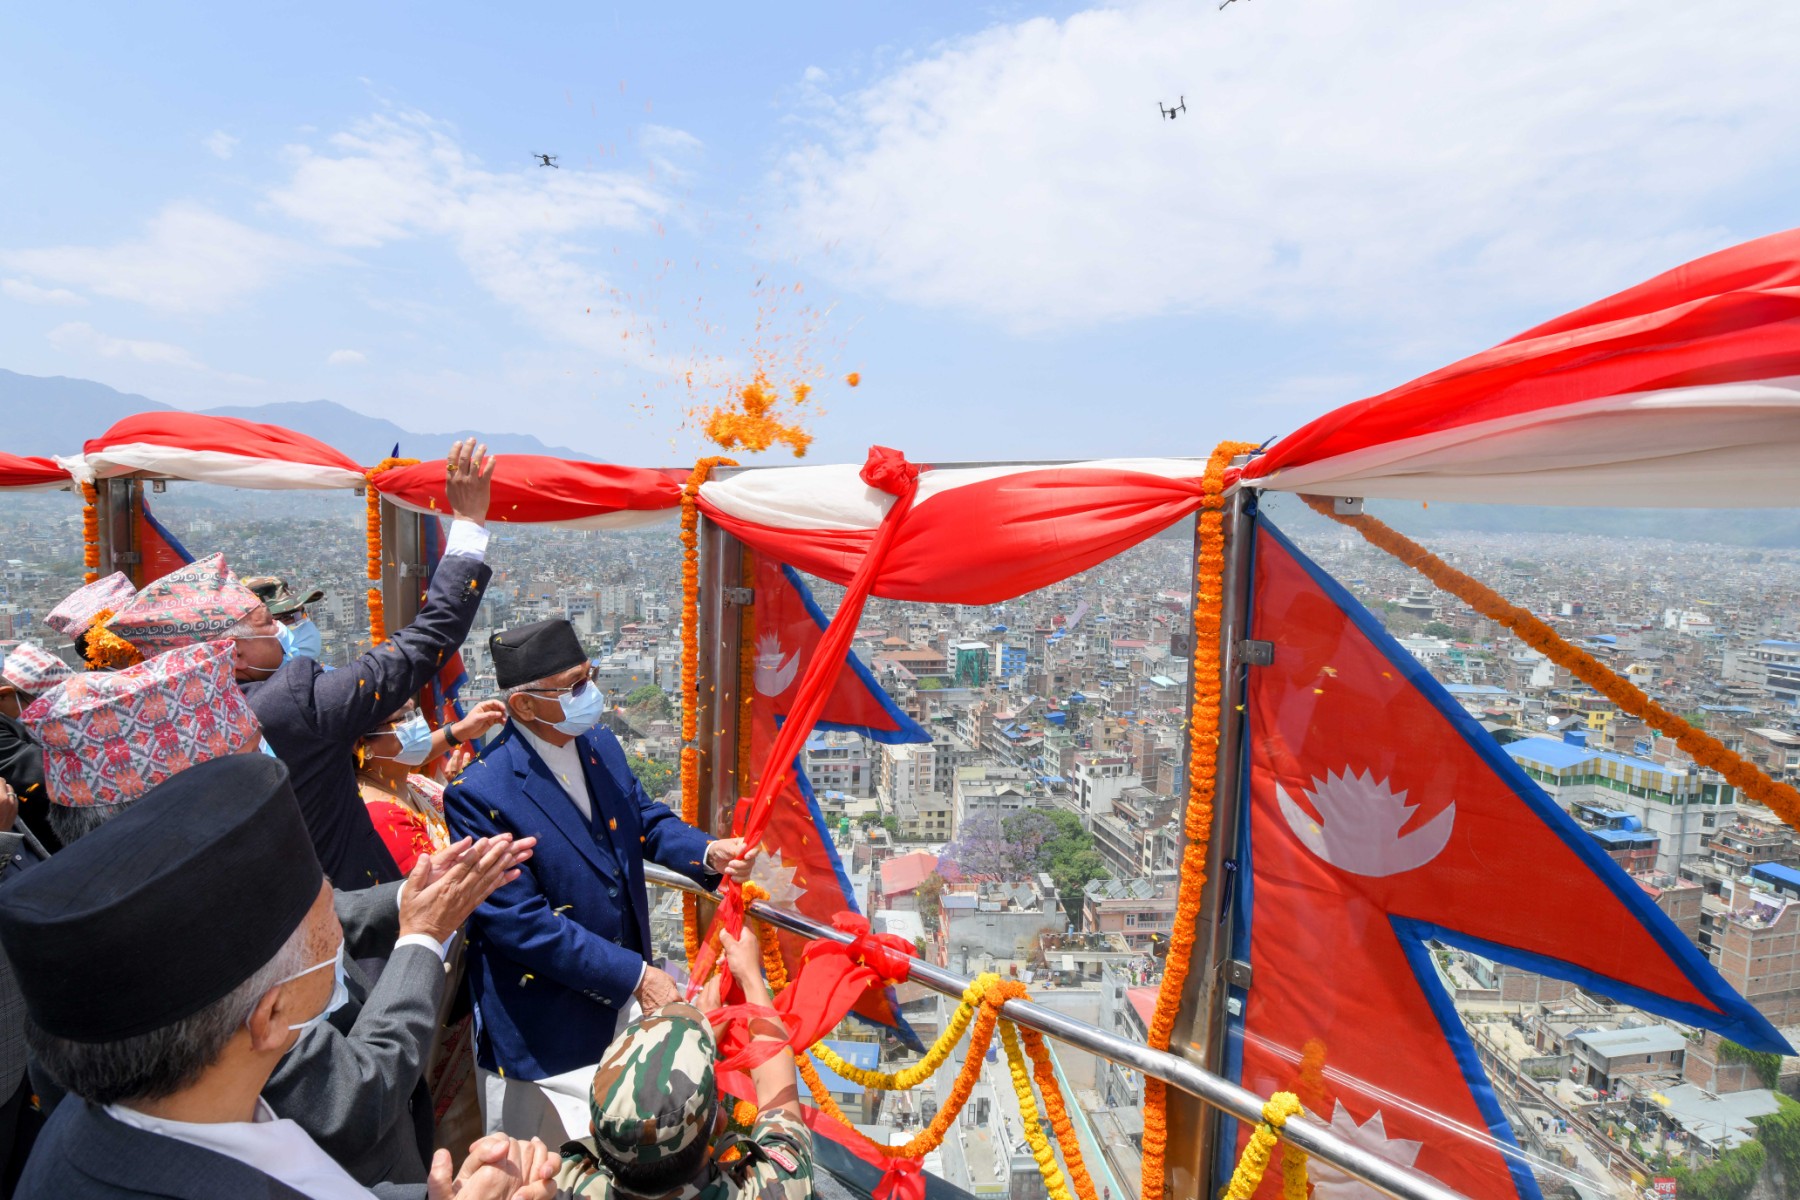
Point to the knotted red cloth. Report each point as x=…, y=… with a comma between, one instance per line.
x=903, y=1180
x=887, y=471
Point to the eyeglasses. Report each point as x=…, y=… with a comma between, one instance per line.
x=572, y=691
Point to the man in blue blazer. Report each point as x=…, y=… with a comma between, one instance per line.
x=559, y=956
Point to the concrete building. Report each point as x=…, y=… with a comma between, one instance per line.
x=1140, y=910
x=1607, y=1055
x=1098, y=780
x=1756, y=953
x=1680, y=899
x=837, y=761
x=1683, y=806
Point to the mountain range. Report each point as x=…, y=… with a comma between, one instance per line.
x=55, y=415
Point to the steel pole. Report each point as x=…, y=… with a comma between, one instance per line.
x=1206, y=1087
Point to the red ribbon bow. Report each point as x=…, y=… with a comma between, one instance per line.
x=903, y=1180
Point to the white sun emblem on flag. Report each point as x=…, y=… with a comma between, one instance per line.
x=1329, y=1183
x=773, y=672
x=1359, y=823
x=776, y=879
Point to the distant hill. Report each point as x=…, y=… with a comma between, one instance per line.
x=370, y=439
x=55, y=415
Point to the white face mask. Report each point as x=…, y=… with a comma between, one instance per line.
x=305, y=639
x=414, y=736
x=340, y=988
x=581, y=709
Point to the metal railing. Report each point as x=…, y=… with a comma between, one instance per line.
x=1220, y=1093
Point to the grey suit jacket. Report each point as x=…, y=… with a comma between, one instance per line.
x=84, y=1154
x=354, y=1082
x=18, y=850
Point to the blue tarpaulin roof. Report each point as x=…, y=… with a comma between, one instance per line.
x=1776, y=873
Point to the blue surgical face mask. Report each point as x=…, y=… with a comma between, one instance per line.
x=581, y=710
x=414, y=735
x=340, y=987
x=304, y=639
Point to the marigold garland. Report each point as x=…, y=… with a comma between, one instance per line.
x=690, y=676
x=1058, y=1111
x=90, y=532
x=372, y=541
x=1028, y=1111
x=106, y=650
x=1253, y=1164
x=1203, y=746
x=1782, y=799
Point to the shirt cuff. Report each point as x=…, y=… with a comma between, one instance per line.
x=466, y=539
x=441, y=949
x=640, y=979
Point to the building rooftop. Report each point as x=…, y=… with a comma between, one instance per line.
x=1560, y=755
x=1646, y=1039
x=1720, y=1120
x=905, y=872
x=1776, y=873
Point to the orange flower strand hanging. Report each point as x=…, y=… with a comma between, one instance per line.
x=372, y=544
x=1203, y=746
x=1781, y=798
x=690, y=672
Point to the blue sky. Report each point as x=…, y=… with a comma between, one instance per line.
x=983, y=213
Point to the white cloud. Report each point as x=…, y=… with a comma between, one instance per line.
x=1345, y=159
x=78, y=337
x=190, y=259
x=521, y=234
x=346, y=358
x=219, y=143
x=31, y=293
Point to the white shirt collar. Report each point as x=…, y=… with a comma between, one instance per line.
x=565, y=765
x=273, y=1145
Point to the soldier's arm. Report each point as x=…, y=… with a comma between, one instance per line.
x=776, y=1081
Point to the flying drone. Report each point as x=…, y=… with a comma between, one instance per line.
x=546, y=160
x=1172, y=113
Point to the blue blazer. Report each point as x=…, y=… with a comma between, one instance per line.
x=555, y=954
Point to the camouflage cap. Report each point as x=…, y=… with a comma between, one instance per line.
x=653, y=1094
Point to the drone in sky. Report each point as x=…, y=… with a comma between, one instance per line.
x=546, y=160
x=1172, y=113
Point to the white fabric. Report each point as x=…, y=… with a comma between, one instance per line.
x=565, y=764
x=628, y=518
x=1729, y=445
x=556, y=1109
x=276, y=1147
x=218, y=466
x=466, y=539
x=835, y=497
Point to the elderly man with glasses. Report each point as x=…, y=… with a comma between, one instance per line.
x=558, y=958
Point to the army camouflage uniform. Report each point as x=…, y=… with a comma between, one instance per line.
x=654, y=1096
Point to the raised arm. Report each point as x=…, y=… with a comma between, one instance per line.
x=349, y=702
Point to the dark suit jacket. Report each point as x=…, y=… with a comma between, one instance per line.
x=355, y=1082
x=313, y=717
x=554, y=955
x=22, y=766
x=84, y=1154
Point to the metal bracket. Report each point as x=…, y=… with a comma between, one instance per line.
x=1237, y=973
x=410, y=570
x=739, y=596
x=1347, y=506
x=159, y=486
x=1255, y=653
x=126, y=558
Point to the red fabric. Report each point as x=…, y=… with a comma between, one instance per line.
x=1728, y=317
x=1382, y=816
x=992, y=540
x=887, y=954
x=737, y=1050
x=903, y=1180
x=752, y=818
x=787, y=639
x=19, y=471
x=225, y=435
x=535, y=488
x=401, y=830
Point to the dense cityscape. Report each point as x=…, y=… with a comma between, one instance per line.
x=1037, y=833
